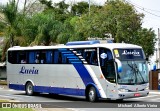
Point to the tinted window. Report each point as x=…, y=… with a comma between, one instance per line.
x=107, y=64
x=12, y=57
x=87, y=55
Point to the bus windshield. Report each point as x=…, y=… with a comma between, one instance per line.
x=133, y=72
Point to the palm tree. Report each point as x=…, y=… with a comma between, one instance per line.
x=10, y=11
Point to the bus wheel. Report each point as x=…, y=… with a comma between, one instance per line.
x=29, y=89
x=92, y=95
x=119, y=100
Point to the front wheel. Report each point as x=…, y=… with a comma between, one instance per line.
x=29, y=89
x=119, y=100
x=92, y=95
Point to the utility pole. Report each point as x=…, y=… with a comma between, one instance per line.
x=156, y=57
x=158, y=48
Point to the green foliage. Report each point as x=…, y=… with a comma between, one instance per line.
x=147, y=39
x=47, y=3
x=2, y=26
x=117, y=18
x=60, y=23
x=42, y=28
x=79, y=8
x=10, y=13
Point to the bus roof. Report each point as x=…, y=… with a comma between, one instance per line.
x=107, y=45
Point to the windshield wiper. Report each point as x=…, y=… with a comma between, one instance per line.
x=133, y=70
x=136, y=71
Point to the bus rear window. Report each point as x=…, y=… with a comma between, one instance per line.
x=12, y=57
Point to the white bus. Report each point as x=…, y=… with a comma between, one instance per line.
x=80, y=68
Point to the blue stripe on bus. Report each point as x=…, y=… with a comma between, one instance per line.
x=72, y=57
x=17, y=87
x=72, y=62
x=66, y=52
x=55, y=90
x=58, y=90
x=84, y=74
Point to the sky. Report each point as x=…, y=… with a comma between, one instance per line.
x=150, y=8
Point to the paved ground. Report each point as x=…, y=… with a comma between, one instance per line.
x=153, y=92
x=42, y=109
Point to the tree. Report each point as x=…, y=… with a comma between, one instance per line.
x=13, y=20
x=60, y=9
x=10, y=13
x=42, y=28
x=119, y=19
x=47, y=3
x=32, y=7
x=54, y=23
x=79, y=8
x=147, y=39
x=67, y=32
x=82, y=8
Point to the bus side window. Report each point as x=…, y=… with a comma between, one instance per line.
x=22, y=57
x=31, y=57
x=12, y=57
x=43, y=57
x=93, y=58
x=101, y=60
x=56, y=57
x=109, y=56
x=37, y=58
x=87, y=57
x=49, y=57
x=107, y=65
x=60, y=58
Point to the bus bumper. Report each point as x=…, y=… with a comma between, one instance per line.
x=123, y=95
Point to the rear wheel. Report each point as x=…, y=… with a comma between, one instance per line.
x=29, y=89
x=92, y=94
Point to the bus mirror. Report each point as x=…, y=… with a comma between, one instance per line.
x=119, y=65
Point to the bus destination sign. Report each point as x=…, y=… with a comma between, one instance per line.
x=128, y=54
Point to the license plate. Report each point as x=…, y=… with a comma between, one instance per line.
x=136, y=94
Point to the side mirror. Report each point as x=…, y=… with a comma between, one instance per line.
x=119, y=65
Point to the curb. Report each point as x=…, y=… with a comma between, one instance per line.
x=154, y=92
x=3, y=82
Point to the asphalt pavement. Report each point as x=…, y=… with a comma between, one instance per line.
x=4, y=88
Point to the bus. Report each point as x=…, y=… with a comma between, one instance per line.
x=114, y=71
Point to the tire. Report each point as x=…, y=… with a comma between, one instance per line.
x=29, y=89
x=92, y=95
x=119, y=100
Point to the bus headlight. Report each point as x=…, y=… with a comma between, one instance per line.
x=123, y=90
x=147, y=88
